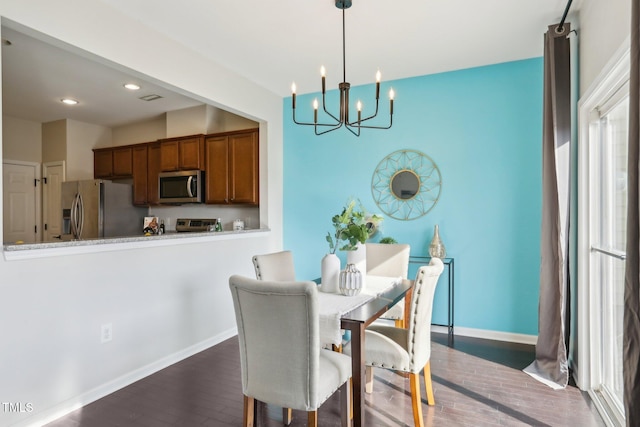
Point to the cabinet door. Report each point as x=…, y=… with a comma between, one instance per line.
x=140, y=174
x=103, y=163
x=191, y=153
x=122, y=162
x=153, y=169
x=169, y=157
x=243, y=168
x=216, y=149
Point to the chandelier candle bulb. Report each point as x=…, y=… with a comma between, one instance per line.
x=315, y=110
x=391, y=95
x=322, y=74
x=378, y=76
x=293, y=95
x=359, y=107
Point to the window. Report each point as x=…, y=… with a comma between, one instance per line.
x=602, y=218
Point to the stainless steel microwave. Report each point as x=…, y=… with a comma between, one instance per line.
x=181, y=187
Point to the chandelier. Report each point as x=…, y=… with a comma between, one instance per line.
x=343, y=119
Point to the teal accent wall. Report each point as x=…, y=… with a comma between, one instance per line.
x=483, y=128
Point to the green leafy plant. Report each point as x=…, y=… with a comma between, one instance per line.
x=388, y=240
x=352, y=226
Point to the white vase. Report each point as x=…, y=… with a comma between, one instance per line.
x=330, y=273
x=359, y=259
x=350, y=281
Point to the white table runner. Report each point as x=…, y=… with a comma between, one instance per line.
x=333, y=306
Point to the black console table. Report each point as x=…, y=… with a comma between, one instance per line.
x=448, y=262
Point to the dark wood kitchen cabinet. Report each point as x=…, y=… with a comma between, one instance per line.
x=122, y=162
x=153, y=170
x=139, y=155
x=183, y=153
x=102, y=163
x=113, y=162
x=232, y=174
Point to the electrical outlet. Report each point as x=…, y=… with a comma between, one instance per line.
x=106, y=333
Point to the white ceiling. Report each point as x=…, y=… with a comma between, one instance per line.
x=274, y=43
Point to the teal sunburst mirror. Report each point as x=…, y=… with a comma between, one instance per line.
x=406, y=184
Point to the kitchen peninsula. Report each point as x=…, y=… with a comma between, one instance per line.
x=49, y=249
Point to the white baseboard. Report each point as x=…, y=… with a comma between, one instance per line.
x=489, y=335
x=116, y=384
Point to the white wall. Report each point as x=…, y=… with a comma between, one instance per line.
x=24, y=138
x=164, y=302
x=136, y=133
x=54, y=141
x=204, y=119
x=603, y=27
x=81, y=139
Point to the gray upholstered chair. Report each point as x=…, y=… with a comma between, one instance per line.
x=408, y=350
x=280, y=355
x=276, y=266
x=389, y=260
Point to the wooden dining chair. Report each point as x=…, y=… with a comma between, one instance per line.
x=391, y=260
x=408, y=350
x=276, y=266
x=281, y=360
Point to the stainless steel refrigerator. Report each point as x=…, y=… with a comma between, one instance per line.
x=98, y=208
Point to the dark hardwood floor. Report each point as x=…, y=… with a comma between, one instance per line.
x=476, y=383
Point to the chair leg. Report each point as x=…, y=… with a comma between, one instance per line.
x=337, y=348
x=428, y=385
x=312, y=418
x=416, y=399
x=287, y=416
x=368, y=379
x=249, y=410
x=399, y=323
x=345, y=404
x=350, y=398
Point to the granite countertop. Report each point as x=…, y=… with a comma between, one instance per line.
x=126, y=239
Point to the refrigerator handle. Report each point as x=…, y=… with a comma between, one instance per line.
x=72, y=216
x=189, y=185
x=80, y=215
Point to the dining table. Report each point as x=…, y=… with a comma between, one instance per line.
x=340, y=313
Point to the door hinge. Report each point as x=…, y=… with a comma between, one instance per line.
x=35, y=228
x=44, y=179
x=45, y=227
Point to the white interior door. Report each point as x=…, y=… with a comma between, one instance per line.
x=21, y=202
x=53, y=175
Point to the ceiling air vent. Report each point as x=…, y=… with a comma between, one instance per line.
x=150, y=97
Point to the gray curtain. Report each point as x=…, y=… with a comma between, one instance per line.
x=631, y=335
x=551, y=366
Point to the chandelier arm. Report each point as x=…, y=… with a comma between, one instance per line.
x=338, y=124
x=349, y=128
x=327, y=124
x=376, y=127
x=300, y=123
x=324, y=108
x=328, y=130
x=366, y=118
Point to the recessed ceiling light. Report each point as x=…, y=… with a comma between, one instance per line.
x=132, y=86
x=69, y=101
